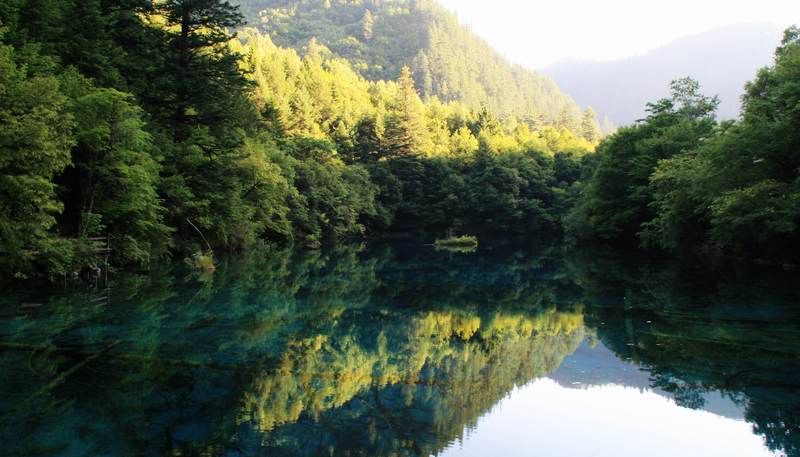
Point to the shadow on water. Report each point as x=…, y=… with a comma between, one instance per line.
x=387, y=350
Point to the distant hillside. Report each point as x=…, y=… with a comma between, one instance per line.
x=722, y=60
x=448, y=61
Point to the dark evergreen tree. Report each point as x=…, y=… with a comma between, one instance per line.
x=589, y=128
x=368, y=145
x=206, y=83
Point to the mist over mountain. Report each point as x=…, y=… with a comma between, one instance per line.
x=447, y=60
x=722, y=60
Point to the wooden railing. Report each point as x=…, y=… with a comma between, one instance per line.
x=101, y=247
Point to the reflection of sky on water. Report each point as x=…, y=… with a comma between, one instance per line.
x=598, y=405
x=403, y=353
x=598, y=366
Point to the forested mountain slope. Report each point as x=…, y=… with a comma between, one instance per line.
x=447, y=60
x=150, y=126
x=722, y=60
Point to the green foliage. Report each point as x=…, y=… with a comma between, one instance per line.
x=332, y=198
x=679, y=223
x=404, y=127
x=268, y=189
x=117, y=175
x=129, y=119
x=687, y=185
x=512, y=193
x=35, y=140
x=590, y=130
x=447, y=61
x=743, y=185
x=323, y=97
x=617, y=200
x=763, y=211
x=206, y=86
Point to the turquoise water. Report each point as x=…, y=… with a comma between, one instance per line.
x=399, y=350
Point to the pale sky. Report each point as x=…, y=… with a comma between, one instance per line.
x=539, y=33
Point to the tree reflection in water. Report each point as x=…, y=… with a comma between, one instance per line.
x=381, y=351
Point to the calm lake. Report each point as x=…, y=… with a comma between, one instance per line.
x=400, y=350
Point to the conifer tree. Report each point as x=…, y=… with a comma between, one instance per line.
x=423, y=74
x=589, y=128
x=367, y=141
x=205, y=74
x=367, y=24
x=566, y=120
x=404, y=129
x=486, y=123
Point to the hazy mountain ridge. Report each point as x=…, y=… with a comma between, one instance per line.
x=448, y=60
x=722, y=59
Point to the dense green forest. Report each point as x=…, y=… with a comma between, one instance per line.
x=151, y=124
x=171, y=129
x=447, y=61
x=681, y=182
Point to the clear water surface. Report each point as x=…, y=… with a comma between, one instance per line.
x=399, y=350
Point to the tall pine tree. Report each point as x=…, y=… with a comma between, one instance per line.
x=589, y=128
x=205, y=81
x=404, y=127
